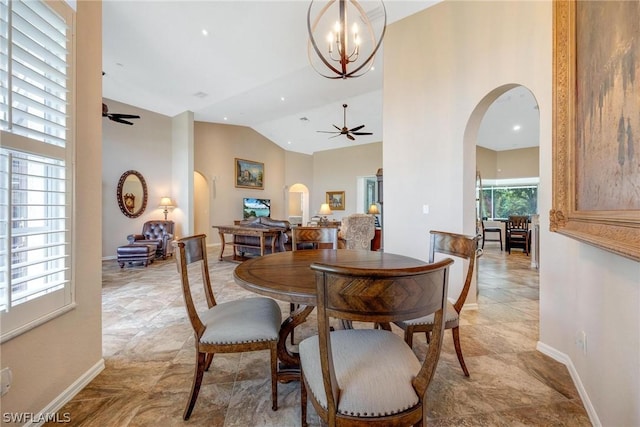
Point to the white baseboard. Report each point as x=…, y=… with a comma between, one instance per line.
x=566, y=360
x=49, y=411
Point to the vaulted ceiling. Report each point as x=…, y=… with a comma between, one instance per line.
x=251, y=68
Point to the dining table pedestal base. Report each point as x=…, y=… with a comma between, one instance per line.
x=289, y=367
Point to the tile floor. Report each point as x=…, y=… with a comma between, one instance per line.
x=149, y=357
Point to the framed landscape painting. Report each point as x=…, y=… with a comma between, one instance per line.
x=596, y=128
x=335, y=199
x=249, y=174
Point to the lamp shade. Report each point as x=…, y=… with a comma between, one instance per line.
x=166, y=202
x=325, y=209
x=373, y=209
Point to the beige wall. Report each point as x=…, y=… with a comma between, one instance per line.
x=431, y=117
x=216, y=147
x=145, y=147
x=508, y=164
x=48, y=360
x=339, y=169
x=486, y=162
x=523, y=163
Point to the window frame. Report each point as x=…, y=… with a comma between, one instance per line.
x=29, y=314
x=503, y=184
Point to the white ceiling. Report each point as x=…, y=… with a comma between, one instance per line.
x=156, y=58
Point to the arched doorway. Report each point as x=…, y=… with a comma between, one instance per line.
x=298, y=209
x=501, y=142
x=201, y=204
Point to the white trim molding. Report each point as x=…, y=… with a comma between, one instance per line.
x=52, y=408
x=566, y=361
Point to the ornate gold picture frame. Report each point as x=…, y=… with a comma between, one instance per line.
x=249, y=174
x=582, y=143
x=335, y=199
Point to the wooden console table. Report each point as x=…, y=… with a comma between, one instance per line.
x=236, y=230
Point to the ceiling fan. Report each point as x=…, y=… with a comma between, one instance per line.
x=345, y=130
x=117, y=117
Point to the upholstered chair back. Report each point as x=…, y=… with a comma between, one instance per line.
x=155, y=232
x=358, y=230
x=157, y=229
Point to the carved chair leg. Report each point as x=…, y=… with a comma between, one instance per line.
x=408, y=336
x=208, y=361
x=456, y=343
x=195, y=388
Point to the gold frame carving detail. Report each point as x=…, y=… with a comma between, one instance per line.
x=617, y=230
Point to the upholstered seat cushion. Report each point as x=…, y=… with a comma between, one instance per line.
x=451, y=315
x=240, y=321
x=374, y=369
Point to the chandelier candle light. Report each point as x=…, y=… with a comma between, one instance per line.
x=349, y=52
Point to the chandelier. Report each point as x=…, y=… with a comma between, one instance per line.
x=352, y=36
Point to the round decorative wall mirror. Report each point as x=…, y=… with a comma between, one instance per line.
x=132, y=194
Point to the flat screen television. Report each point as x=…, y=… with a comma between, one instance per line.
x=255, y=207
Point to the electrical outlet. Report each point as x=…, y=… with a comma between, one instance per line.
x=5, y=381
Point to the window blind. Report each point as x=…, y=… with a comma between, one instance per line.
x=35, y=165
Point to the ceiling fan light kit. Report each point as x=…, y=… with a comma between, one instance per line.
x=353, y=36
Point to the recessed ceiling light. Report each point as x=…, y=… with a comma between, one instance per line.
x=516, y=128
x=282, y=98
x=289, y=142
x=224, y=118
x=205, y=32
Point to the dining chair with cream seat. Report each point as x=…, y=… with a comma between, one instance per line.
x=242, y=325
x=465, y=248
x=371, y=376
x=312, y=238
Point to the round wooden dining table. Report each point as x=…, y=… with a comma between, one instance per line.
x=287, y=276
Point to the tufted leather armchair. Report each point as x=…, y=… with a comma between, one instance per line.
x=159, y=233
x=356, y=231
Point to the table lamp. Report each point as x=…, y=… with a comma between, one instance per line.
x=324, y=210
x=166, y=203
x=373, y=210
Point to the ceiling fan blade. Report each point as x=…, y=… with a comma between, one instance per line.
x=356, y=128
x=362, y=133
x=115, y=119
x=334, y=136
x=350, y=137
x=326, y=131
x=125, y=116
x=337, y=127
